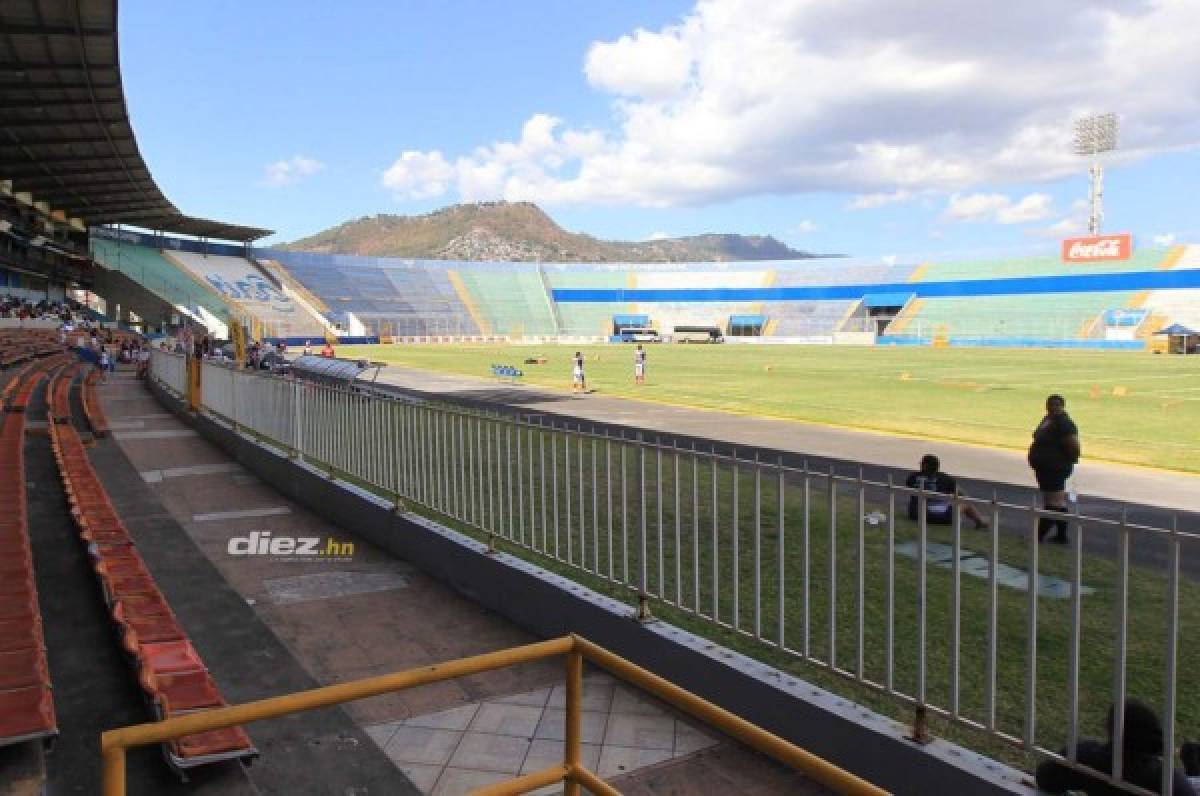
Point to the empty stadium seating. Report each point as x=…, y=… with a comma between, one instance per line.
x=170, y=671
x=510, y=300
x=389, y=295
x=172, y=284
x=26, y=700
x=92, y=409
x=1018, y=319
x=1177, y=306
x=241, y=283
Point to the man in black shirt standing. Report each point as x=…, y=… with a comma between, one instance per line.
x=1052, y=455
x=938, y=511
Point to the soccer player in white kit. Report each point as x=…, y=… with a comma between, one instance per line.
x=578, y=382
x=639, y=365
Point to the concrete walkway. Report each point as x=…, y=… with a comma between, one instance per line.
x=360, y=612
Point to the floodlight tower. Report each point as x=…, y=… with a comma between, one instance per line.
x=1094, y=135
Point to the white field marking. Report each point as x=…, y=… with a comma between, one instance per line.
x=156, y=476
x=213, y=516
x=167, y=434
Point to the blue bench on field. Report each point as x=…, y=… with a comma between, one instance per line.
x=507, y=372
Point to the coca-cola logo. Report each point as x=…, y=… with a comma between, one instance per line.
x=1103, y=247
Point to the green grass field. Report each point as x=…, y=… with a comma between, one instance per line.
x=1131, y=407
x=562, y=503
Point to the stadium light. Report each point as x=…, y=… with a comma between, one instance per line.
x=1094, y=135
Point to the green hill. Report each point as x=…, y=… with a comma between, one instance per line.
x=521, y=231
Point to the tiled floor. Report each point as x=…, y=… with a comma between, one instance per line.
x=499, y=738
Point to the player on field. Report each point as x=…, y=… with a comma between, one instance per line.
x=639, y=365
x=578, y=382
x=938, y=510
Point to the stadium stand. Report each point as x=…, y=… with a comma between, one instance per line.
x=508, y=300
x=170, y=671
x=390, y=296
x=92, y=409
x=174, y=285
x=1015, y=320
x=241, y=283
x=60, y=393
x=588, y=320
x=1175, y=306
x=26, y=701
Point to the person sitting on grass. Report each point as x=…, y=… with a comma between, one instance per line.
x=1141, y=759
x=938, y=511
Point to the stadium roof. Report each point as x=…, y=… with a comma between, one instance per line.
x=65, y=137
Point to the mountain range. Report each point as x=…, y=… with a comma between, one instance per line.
x=521, y=231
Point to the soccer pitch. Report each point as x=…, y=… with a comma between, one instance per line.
x=1131, y=407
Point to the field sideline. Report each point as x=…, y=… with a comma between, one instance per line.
x=1131, y=407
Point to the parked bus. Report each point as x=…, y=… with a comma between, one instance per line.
x=697, y=334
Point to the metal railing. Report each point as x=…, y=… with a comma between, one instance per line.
x=571, y=772
x=170, y=369
x=812, y=566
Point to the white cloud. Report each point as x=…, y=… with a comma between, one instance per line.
x=806, y=226
x=291, y=170
x=1074, y=223
x=744, y=98
x=419, y=175
x=659, y=235
x=870, y=201
x=647, y=65
x=1165, y=239
x=998, y=208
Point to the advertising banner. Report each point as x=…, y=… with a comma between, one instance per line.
x=1117, y=246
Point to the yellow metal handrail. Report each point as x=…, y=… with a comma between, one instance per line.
x=114, y=743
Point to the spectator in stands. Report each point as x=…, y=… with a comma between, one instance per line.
x=1052, y=455
x=639, y=365
x=327, y=351
x=1141, y=755
x=938, y=511
x=308, y=348
x=143, y=361
x=578, y=381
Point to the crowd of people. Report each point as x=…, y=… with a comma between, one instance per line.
x=46, y=309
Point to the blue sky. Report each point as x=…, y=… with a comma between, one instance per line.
x=844, y=126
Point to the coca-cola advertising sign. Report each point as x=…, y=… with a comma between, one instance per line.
x=1098, y=247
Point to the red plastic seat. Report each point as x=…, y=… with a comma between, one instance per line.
x=22, y=609
x=140, y=606
x=18, y=634
x=169, y=657
x=188, y=691
x=127, y=585
x=147, y=629
x=22, y=668
x=26, y=713
x=217, y=742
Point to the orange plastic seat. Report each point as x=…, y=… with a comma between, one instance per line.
x=17, y=634
x=26, y=713
x=178, y=693
x=22, y=668
x=141, y=605
x=217, y=742
x=169, y=657
x=122, y=585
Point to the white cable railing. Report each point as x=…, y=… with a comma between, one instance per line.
x=808, y=565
